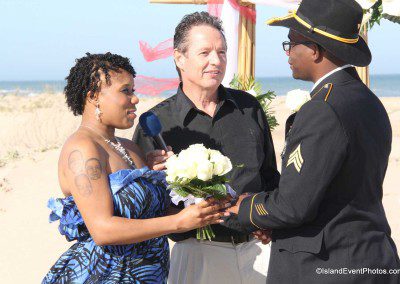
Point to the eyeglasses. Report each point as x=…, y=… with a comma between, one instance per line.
x=287, y=45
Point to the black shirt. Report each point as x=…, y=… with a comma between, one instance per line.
x=239, y=129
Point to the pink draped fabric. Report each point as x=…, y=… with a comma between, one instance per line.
x=162, y=50
x=247, y=12
x=152, y=86
x=214, y=7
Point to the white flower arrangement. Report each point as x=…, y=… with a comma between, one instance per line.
x=295, y=99
x=366, y=4
x=375, y=10
x=252, y=92
x=197, y=173
x=197, y=162
x=390, y=7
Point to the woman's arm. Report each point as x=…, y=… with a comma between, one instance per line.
x=126, y=231
x=92, y=195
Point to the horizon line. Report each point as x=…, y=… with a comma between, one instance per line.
x=274, y=77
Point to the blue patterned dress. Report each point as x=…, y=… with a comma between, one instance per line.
x=137, y=194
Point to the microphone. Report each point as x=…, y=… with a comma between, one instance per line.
x=152, y=127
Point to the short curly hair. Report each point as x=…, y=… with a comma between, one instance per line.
x=84, y=77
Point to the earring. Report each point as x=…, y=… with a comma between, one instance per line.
x=97, y=112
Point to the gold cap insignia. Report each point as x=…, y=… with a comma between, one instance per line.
x=296, y=159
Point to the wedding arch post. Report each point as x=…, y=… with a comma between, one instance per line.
x=246, y=37
x=247, y=45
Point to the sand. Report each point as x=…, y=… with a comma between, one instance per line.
x=32, y=131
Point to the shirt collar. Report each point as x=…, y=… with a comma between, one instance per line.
x=184, y=105
x=225, y=95
x=330, y=73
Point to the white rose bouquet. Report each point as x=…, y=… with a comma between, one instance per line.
x=197, y=173
x=296, y=98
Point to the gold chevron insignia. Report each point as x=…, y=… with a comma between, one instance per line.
x=296, y=159
x=261, y=209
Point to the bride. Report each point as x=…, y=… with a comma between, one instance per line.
x=114, y=206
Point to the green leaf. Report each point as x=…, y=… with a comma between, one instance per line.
x=245, y=84
x=216, y=190
x=376, y=14
x=181, y=192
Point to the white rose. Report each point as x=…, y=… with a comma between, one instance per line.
x=367, y=16
x=188, y=167
x=366, y=4
x=194, y=152
x=180, y=168
x=222, y=164
x=252, y=92
x=204, y=170
x=197, y=147
x=296, y=98
x=391, y=7
x=172, y=171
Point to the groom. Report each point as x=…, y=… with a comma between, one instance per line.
x=328, y=221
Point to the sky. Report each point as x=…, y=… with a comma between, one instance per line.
x=40, y=39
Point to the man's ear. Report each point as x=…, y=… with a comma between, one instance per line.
x=318, y=53
x=179, y=58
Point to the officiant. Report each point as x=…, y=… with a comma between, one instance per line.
x=231, y=121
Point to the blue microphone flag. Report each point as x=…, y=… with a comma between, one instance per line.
x=150, y=124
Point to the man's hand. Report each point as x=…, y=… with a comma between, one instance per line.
x=235, y=208
x=156, y=159
x=263, y=235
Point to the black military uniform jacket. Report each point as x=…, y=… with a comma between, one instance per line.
x=327, y=212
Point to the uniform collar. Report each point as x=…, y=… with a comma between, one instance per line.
x=184, y=105
x=339, y=76
x=328, y=74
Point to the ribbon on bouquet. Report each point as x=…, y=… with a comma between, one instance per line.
x=190, y=199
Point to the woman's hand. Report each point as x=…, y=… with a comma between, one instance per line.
x=156, y=159
x=202, y=214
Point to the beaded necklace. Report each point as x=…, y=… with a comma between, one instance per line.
x=117, y=146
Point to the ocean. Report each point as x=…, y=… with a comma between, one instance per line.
x=381, y=85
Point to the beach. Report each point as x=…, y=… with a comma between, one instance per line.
x=32, y=131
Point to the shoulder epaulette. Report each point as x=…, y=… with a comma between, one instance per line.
x=325, y=91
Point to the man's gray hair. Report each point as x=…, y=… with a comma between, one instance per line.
x=192, y=20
